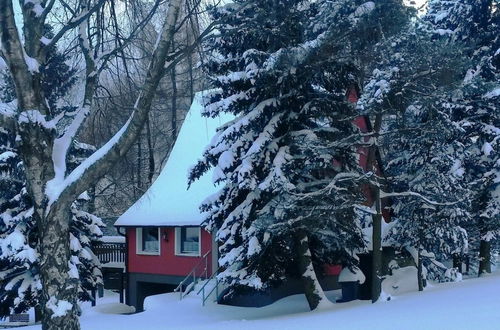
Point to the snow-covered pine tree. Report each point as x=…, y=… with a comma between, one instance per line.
x=416, y=75
x=20, y=281
x=476, y=25
x=428, y=189
x=85, y=231
x=19, y=269
x=288, y=163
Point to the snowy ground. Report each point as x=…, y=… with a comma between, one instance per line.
x=471, y=304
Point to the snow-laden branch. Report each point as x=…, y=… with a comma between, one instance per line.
x=15, y=56
x=296, y=56
x=60, y=151
x=57, y=185
x=82, y=177
x=94, y=65
x=415, y=194
x=63, y=143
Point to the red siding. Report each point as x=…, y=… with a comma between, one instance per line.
x=167, y=263
x=361, y=123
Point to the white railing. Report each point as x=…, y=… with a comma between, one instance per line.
x=191, y=279
x=215, y=288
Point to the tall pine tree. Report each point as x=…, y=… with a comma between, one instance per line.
x=420, y=86
x=474, y=107
x=288, y=163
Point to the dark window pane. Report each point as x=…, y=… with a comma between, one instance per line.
x=150, y=239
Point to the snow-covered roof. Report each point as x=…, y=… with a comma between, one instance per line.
x=168, y=202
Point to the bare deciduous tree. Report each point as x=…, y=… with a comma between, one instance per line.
x=45, y=138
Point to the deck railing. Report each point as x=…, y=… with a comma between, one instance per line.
x=110, y=252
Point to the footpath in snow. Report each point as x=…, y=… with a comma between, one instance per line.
x=471, y=304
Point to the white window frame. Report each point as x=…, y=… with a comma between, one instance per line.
x=178, y=243
x=138, y=246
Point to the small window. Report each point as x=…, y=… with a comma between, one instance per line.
x=187, y=241
x=148, y=240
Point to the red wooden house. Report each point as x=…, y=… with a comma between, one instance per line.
x=164, y=240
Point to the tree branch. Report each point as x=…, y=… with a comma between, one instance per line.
x=103, y=159
x=75, y=21
x=415, y=194
x=14, y=53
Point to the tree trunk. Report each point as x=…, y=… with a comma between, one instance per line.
x=37, y=138
x=151, y=158
x=457, y=261
x=312, y=289
x=484, y=258
x=173, y=79
x=191, y=79
x=138, y=191
x=59, y=289
x=373, y=166
x=377, y=248
x=420, y=278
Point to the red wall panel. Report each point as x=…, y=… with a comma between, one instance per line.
x=167, y=263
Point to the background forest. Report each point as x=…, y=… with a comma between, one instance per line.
x=347, y=113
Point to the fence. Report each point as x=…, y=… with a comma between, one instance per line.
x=110, y=252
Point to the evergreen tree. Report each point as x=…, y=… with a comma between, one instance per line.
x=289, y=161
x=20, y=284
x=476, y=25
x=421, y=155
x=19, y=280
x=419, y=87
x=84, y=232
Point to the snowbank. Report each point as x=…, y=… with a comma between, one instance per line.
x=471, y=304
x=356, y=275
x=113, y=239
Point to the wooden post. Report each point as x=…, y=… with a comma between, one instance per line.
x=38, y=314
x=377, y=248
x=484, y=258
x=100, y=290
x=121, y=287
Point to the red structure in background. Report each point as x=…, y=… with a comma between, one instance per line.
x=362, y=122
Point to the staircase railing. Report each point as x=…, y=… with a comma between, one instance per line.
x=192, y=278
x=205, y=296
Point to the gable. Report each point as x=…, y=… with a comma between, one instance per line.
x=168, y=202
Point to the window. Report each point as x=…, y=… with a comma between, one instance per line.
x=148, y=240
x=187, y=241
